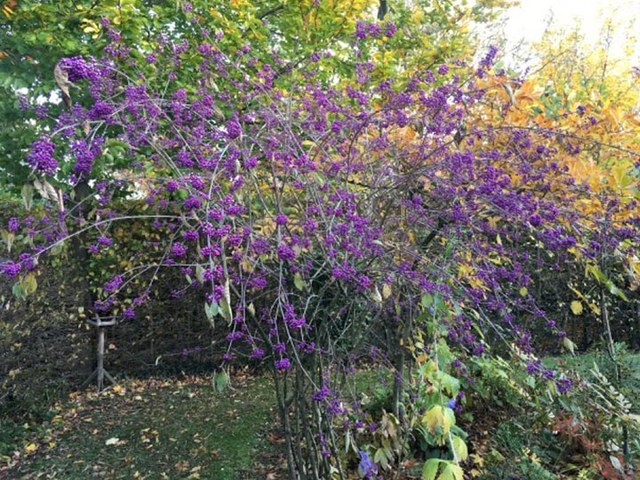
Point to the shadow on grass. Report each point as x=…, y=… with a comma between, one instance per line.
x=157, y=428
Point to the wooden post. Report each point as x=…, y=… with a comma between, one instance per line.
x=100, y=373
x=100, y=358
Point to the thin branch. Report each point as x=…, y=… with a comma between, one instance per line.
x=263, y=15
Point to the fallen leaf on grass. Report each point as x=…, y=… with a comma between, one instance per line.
x=115, y=441
x=31, y=447
x=409, y=463
x=274, y=439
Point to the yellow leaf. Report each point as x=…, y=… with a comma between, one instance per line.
x=422, y=358
x=477, y=460
x=31, y=447
x=433, y=418
x=576, y=307
x=439, y=417
x=594, y=308
x=246, y=265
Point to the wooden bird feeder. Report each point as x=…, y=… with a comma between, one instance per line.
x=100, y=373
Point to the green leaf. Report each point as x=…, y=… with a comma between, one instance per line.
x=459, y=448
x=449, y=419
x=376, y=296
x=298, y=281
x=451, y=472
x=27, y=196
x=614, y=290
x=211, y=310
x=598, y=274
x=18, y=291
x=225, y=309
x=200, y=273
x=380, y=457
x=427, y=300
x=57, y=249
x=221, y=381
x=449, y=383
x=29, y=284
x=569, y=345
x=430, y=469
x=225, y=303
x=8, y=238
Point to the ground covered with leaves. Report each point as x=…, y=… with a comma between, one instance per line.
x=188, y=426
x=156, y=428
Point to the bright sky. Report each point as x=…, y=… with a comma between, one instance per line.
x=529, y=20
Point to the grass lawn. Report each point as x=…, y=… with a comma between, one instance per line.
x=158, y=429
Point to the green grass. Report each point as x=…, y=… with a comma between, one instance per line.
x=583, y=364
x=159, y=429
x=584, y=361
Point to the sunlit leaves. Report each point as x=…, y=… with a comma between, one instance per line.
x=448, y=470
x=459, y=447
x=439, y=419
x=451, y=472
